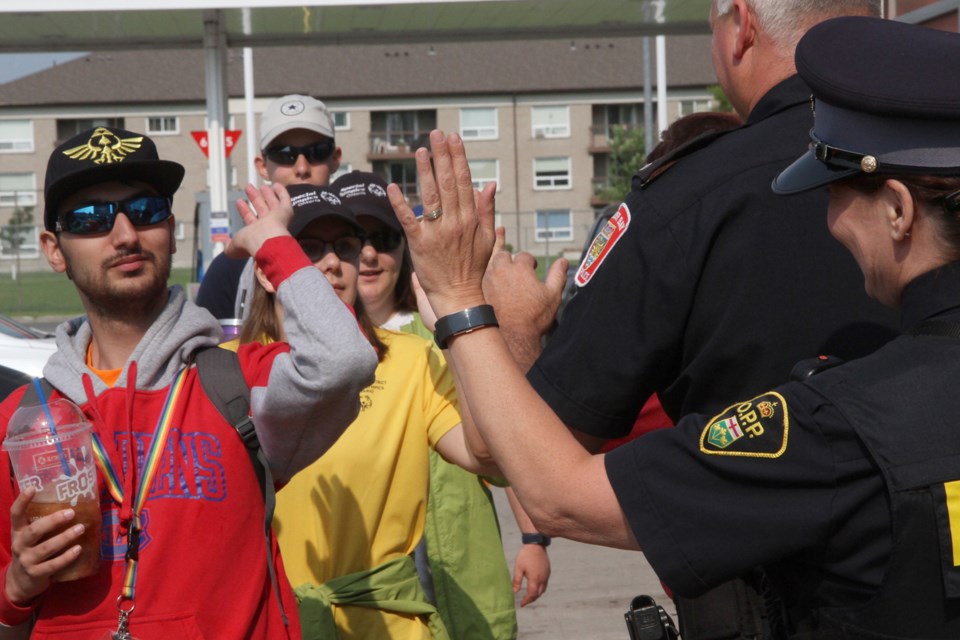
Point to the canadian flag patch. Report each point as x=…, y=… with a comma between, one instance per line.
x=603, y=244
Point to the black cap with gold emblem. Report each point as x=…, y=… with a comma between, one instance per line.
x=886, y=98
x=105, y=154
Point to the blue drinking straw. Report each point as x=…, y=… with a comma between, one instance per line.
x=53, y=427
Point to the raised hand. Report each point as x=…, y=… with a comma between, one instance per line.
x=265, y=216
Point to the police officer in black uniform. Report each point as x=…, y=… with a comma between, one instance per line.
x=844, y=485
x=705, y=286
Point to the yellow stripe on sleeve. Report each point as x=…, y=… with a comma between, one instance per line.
x=952, y=490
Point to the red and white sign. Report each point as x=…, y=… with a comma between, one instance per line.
x=229, y=141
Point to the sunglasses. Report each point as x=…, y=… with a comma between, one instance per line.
x=314, y=153
x=345, y=247
x=384, y=241
x=99, y=217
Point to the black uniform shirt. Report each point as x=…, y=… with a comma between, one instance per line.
x=714, y=290
x=218, y=289
x=786, y=481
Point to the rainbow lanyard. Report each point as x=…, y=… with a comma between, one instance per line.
x=150, y=465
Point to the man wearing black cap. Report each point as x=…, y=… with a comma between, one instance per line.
x=843, y=485
x=179, y=498
x=705, y=286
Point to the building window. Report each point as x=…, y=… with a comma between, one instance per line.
x=554, y=225
x=478, y=124
x=22, y=240
x=180, y=231
x=695, y=106
x=401, y=131
x=66, y=129
x=163, y=125
x=551, y=122
x=18, y=190
x=607, y=116
x=403, y=173
x=16, y=136
x=484, y=171
x=342, y=171
x=341, y=120
x=551, y=173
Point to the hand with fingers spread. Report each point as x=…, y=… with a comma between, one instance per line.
x=526, y=307
x=34, y=558
x=265, y=216
x=451, y=244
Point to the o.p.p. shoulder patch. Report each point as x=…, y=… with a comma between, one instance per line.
x=603, y=244
x=757, y=428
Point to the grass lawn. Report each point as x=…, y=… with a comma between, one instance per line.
x=45, y=293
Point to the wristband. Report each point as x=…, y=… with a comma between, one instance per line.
x=464, y=322
x=535, y=538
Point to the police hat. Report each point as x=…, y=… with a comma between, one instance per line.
x=104, y=154
x=886, y=99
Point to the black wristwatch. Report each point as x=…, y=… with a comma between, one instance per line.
x=463, y=322
x=535, y=538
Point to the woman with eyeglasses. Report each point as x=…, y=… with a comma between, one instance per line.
x=463, y=570
x=347, y=524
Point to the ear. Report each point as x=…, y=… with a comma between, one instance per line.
x=746, y=28
x=173, y=234
x=901, y=209
x=261, y=165
x=335, y=159
x=50, y=244
x=262, y=279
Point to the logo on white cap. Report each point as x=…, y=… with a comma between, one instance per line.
x=292, y=108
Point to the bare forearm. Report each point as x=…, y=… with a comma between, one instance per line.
x=563, y=488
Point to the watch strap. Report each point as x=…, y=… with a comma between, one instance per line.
x=464, y=322
x=535, y=538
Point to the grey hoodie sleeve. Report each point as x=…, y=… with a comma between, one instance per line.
x=313, y=391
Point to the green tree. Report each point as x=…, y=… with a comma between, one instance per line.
x=628, y=154
x=16, y=233
x=720, y=98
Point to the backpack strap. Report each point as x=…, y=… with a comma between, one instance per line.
x=223, y=383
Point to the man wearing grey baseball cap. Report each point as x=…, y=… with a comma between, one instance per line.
x=297, y=146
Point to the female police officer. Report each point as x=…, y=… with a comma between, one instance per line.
x=844, y=486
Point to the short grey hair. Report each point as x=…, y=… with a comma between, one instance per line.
x=785, y=21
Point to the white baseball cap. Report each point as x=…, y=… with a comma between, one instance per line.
x=294, y=112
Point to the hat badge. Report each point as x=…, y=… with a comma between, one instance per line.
x=868, y=164
x=376, y=190
x=292, y=108
x=105, y=147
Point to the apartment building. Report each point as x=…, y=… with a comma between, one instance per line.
x=536, y=116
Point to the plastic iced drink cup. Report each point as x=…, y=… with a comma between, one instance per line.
x=231, y=328
x=57, y=460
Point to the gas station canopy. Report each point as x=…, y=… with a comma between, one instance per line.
x=88, y=25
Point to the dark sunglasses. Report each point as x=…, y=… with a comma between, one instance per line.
x=345, y=247
x=99, y=217
x=314, y=153
x=384, y=240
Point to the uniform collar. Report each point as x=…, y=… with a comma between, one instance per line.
x=935, y=293
x=788, y=93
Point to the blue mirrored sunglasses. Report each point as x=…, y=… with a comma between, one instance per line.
x=99, y=217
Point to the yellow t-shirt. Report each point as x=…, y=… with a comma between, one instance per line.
x=364, y=501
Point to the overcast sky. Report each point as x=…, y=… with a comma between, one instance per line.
x=16, y=65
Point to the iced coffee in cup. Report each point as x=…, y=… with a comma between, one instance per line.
x=51, y=450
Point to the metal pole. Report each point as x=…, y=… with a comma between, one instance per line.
x=248, y=94
x=215, y=48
